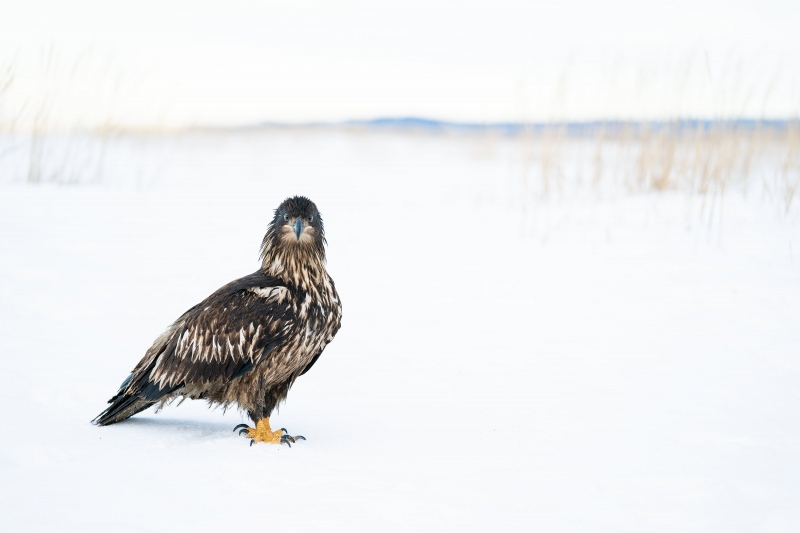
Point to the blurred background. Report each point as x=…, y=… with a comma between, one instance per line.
x=171, y=65
x=685, y=95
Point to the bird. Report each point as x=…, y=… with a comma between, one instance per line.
x=248, y=342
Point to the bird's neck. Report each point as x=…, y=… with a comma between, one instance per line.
x=300, y=267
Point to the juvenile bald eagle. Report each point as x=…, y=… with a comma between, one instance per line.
x=249, y=341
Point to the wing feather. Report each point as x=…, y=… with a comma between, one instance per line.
x=218, y=340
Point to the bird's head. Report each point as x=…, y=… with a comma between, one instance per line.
x=296, y=232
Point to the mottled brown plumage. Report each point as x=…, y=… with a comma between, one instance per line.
x=247, y=342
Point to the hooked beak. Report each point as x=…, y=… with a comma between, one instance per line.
x=298, y=227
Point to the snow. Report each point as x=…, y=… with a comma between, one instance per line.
x=583, y=362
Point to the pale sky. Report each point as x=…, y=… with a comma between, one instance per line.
x=176, y=63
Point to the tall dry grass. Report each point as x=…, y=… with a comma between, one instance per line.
x=705, y=160
x=37, y=144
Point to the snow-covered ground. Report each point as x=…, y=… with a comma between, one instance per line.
x=583, y=363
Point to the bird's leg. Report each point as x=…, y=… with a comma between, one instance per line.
x=263, y=433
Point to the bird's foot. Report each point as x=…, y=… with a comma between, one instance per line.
x=263, y=433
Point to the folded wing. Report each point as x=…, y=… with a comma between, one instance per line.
x=212, y=344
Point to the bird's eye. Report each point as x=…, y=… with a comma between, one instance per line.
x=286, y=217
x=311, y=218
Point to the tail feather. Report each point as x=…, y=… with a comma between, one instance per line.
x=137, y=392
x=122, y=406
x=133, y=396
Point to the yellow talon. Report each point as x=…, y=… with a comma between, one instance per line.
x=263, y=433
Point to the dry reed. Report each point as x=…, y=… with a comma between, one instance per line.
x=701, y=159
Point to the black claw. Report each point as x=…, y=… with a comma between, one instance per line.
x=288, y=437
x=284, y=430
x=243, y=431
x=286, y=442
x=252, y=441
x=298, y=437
x=240, y=426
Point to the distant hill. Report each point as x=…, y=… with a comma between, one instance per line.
x=514, y=128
